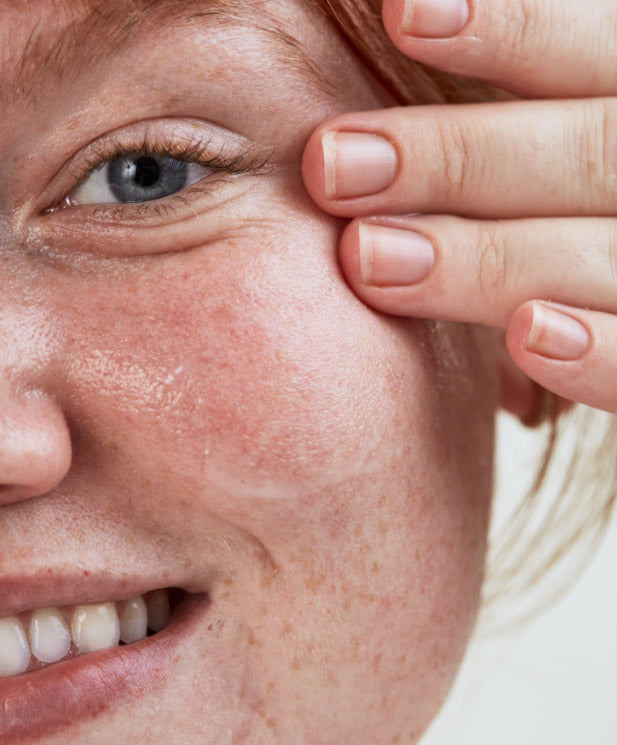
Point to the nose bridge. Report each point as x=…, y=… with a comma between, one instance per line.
x=35, y=446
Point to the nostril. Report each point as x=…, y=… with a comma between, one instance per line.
x=35, y=447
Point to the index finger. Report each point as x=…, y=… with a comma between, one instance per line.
x=549, y=48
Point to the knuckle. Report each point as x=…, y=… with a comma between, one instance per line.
x=493, y=262
x=599, y=162
x=453, y=174
x=611, y=252
x=523, y=28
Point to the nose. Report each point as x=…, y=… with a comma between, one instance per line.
x=35, y=445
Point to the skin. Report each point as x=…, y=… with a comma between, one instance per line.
x=199, y=391
x=517, y=198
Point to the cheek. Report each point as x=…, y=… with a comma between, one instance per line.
x=244, y=385
x=247, y=375
x=252, y=369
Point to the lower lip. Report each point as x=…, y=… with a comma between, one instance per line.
x=42, y=703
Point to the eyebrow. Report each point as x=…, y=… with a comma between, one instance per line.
x=98, y=29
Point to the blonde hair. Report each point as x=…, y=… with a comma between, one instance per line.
x=557, y=524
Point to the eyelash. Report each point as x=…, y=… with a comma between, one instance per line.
x=198, y=151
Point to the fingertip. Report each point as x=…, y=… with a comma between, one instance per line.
x=392, y=14
x=313, y=168
x=349, y=255
x=519, y=329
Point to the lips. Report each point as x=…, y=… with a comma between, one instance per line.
x=41, y=703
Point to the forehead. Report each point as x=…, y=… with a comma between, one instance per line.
x=47, y=39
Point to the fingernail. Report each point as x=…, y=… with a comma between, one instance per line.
x=391, y=257
x=357, y=164
x=434, y=18
x=557, y=335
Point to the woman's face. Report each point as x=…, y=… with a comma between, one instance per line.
x=191, y=397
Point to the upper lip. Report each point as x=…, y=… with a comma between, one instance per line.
x=48, y=587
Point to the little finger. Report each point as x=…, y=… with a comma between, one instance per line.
x=568, y=350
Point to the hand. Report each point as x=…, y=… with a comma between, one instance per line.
x=518, y=198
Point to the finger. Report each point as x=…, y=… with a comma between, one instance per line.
x=570, y=351
x=453, y=269
x=548, y=48
x=515, y=159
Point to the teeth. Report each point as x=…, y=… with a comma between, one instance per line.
x=134, y=621
x=158, y=610
x=14, y=650
x=55, y=633
x=50, y=639
x=95, y=627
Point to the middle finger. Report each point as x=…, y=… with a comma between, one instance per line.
x=494, y=160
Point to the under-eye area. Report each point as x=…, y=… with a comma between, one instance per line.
x=40, y=637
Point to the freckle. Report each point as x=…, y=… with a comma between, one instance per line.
x=270, y=686
x=383, y=527
x=331, y=678
x=228, y=581
x=358, y=529
x=288, y=629
x=295, y=665
x=271, y=723
x=375, y=567
x=315, y=581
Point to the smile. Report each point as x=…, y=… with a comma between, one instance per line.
x=38, y=638
x=63, y=664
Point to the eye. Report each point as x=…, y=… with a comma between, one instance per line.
x=137, y=177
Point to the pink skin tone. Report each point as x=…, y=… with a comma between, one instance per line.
x=517, y=199
x=201, y=397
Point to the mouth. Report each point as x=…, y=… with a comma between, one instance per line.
x=60, y=665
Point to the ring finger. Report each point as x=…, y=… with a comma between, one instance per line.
x=480, y=271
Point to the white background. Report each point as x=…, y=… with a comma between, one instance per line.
x=552, y=681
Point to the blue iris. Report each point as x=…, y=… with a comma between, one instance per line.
x=141, y=178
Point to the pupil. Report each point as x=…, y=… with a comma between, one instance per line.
x=147, y=172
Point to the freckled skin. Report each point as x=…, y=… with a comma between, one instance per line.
x=236, y=411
